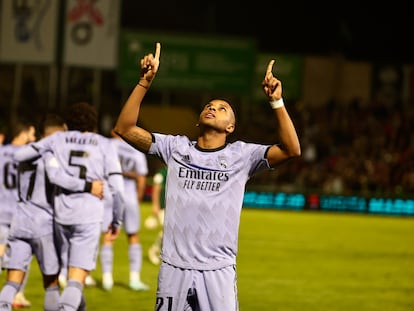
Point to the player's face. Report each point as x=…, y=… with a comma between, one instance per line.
x=31, y=134
x=219, y=115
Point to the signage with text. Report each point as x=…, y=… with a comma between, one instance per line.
x=190, y=62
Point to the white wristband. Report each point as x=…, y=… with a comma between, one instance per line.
x=277, y=103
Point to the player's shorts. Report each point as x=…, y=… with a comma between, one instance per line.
x=4, y=233
x=181, y=289
x=83, y=243
x=19, y=254
x=131, y=220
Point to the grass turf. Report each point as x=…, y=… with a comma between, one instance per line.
x=289, y=261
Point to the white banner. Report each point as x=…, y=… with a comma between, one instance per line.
x=91, y=33
x=28, y=31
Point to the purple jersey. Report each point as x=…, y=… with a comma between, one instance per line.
x=88, y=156
x=115, y=204
x=135, y=161
x=33, y=217
x=131, y=160
x=8, y=183
x=204, y=197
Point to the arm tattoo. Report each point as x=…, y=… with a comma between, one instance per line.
x=140, y=140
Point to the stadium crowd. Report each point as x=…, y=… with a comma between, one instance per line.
x=350, y=149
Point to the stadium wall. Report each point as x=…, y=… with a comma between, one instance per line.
x=331, y=203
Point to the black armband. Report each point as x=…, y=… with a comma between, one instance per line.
x=88, y=186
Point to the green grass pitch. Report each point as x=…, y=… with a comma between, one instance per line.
x=289, y=260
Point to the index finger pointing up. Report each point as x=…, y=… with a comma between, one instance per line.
x=157, y=50
x=270, y=67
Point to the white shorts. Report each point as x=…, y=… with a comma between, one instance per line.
x=21, y=251
x=181, y=289
x=82, y=242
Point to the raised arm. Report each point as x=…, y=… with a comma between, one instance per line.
x=126, y=126
x=290, y=146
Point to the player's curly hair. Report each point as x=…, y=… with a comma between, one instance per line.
x=82, y=117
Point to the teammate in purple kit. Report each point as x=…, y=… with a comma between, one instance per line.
x=32, y=226
x=206, y=181
x=22, y=134
x=134, y=170
x=81, y=152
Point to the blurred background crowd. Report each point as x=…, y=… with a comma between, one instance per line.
x=350, y=145
x=346, y=150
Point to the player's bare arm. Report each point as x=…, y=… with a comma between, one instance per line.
x=290, y=146
x=141, y=184
x=126, y=126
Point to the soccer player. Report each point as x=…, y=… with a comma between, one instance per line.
x=32, y=225
x=134, y=170
x=22, y=134
x=206, y=181
x=158, y=206
x=81, y=152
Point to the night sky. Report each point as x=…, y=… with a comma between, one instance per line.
x=359, y=31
